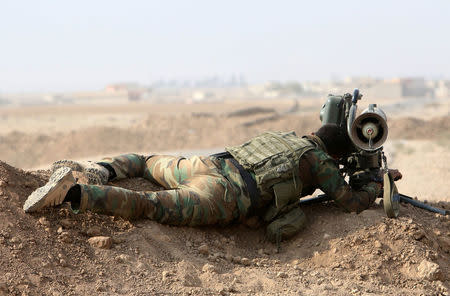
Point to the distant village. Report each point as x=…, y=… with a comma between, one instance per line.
x=215, y=89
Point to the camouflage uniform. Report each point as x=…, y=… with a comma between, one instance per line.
x=211, y=190
x=199, y=190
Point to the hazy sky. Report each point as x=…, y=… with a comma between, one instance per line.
x=68, y=45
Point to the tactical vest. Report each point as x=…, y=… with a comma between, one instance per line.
x=274, y=159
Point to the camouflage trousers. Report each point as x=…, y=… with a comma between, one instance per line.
x=198, y=191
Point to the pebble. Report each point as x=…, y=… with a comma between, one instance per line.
x=165, y=275
x=203, y=249
x=60, y=230
x=65, y=223
x=282, y=274
x=102, y=242
x=65, y=237
x=326, y=235
x=188, y=244
x=236, y=259
x=208, y=268
x=63, y=262
x=246, y=261
x=94, y=231
x=428, y=270
x=377, y=244
x=419, y=234
x=44, y=222
x=122, y=258
x=15, y=239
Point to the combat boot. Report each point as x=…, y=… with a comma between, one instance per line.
x=52, y=193
x=95, y=173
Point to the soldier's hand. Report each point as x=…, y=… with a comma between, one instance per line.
x=395, y=174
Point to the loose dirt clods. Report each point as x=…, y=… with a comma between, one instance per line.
x=56, y=252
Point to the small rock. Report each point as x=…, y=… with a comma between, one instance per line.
x=260, y=252
x=246, y=261
x=326, y=236
x=188, y=244
x=94, y=231
x=102, y=242
x=60, y=230
x=15, y=239
x=428, y=270
x=141, y=266
x=419, y=234
x=66, y=223
x=122, y=258
x=65, y=237
x=63, y=263
x=282, y=274
x=444, y=242
x=377, y=244
x=165, y=275
x=188, y=274
x=208, y=268
x=236, y=259
x=44, y=222
x=382, y=228
x=203, y=249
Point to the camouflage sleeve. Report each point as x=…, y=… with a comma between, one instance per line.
x=328, y=178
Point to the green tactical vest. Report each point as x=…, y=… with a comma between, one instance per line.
x=274, y=159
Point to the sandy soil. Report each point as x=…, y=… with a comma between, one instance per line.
x=52, y=253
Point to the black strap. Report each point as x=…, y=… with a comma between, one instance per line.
x=250, y=182
x=252, y=189
x=223, y=155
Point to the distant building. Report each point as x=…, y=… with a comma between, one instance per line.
x=133, y=91
x=442, y=89
x=384, y=89
x=121, y=87
x=416, y=87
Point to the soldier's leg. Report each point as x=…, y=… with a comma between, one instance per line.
x=201, y=200
x=125, y=166
x=167, y=171
x=171, y=171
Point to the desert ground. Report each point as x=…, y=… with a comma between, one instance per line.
x=54, y=252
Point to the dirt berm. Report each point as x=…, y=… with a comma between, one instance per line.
x=56, y=252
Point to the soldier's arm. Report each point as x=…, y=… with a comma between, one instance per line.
x=326, y=174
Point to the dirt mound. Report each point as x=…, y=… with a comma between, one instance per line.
x=415, y=128
x=56, y=252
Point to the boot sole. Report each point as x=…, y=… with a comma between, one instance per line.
x=52, y=193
